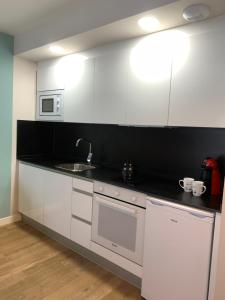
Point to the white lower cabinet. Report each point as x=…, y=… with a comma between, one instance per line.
x=31, y=202
x=81, y=232
x=81, y=214
x=45, y=197
x=82, y=206
x=57, y=192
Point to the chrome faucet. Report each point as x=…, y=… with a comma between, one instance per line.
x=90, y=153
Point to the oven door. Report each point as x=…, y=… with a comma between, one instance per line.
x=119, y=227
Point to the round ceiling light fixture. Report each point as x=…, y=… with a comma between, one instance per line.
x=196, y=12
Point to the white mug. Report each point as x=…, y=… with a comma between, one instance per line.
x=186, y=184
x=198, y=188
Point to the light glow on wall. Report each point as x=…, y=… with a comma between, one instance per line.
x=151, y=58
x=57, y=50
x=148, y=23
x=70, y=69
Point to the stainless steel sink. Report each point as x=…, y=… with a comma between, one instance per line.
x=75, y=167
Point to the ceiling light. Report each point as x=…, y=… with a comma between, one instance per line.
x=57, y=50
x=196, y=12
x=148, y=23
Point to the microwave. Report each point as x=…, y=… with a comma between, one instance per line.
x=50, y=105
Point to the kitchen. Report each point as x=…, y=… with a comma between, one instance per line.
x=117, y=155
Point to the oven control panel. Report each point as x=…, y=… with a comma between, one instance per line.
x=120, y=193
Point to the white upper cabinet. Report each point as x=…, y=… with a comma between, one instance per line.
x=110, y=88
x=198, y=82
x=175, y=77
x=79, y=90
x=148, y=86
x=51, y=75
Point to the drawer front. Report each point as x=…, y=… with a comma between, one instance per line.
x=81, y=233
x=83, y=185
x=82, y=206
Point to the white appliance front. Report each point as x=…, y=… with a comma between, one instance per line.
x=177, y=252
x=118, y=226
x=50, y=105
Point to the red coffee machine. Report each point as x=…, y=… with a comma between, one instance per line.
x=211, y=176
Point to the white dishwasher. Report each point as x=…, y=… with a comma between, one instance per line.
x=177, y=252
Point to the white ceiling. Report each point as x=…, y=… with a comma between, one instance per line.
x=32, y=22
x=169, y=16
x=17, y=16
x=78, y=17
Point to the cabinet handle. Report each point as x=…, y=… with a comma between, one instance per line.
x=81, y=219
x=199, y=215
x=157, y=203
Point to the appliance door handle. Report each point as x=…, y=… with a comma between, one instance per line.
x=121, y=208
x=198, y=215
x=156, y=203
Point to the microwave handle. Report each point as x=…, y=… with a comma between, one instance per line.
x=116, y=206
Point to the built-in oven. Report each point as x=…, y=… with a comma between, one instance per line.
x=118, y=224
x=50, y=105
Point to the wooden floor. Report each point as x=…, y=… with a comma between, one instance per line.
x=33, y=266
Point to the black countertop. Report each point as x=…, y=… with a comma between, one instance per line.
x=157, y=187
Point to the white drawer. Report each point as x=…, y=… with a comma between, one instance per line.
x=83, y=185
x=82, y=206
x=81, y=233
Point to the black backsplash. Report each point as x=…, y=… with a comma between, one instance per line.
x=171, y=152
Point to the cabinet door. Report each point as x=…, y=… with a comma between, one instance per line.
x=57, y=192
x=148, y=86
x=82, y=206
x=110, y=90
x=31, y=202
x=51, y=75
x=79, y=93
x=81, y=232
x=198, y=88
x=177, y=253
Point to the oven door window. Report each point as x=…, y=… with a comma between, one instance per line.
x=47, y=105
x=119, y=227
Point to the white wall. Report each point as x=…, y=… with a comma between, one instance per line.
x=24, y=99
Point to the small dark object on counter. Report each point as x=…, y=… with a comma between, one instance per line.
x=125, y=171
x=128, y=172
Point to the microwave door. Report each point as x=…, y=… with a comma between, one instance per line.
x=47, y=106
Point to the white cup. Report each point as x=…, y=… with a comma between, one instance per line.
x=198, y=188
x=186, y=184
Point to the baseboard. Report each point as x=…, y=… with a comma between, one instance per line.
x=10, y=219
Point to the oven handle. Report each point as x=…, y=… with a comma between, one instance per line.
x=117, y=206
